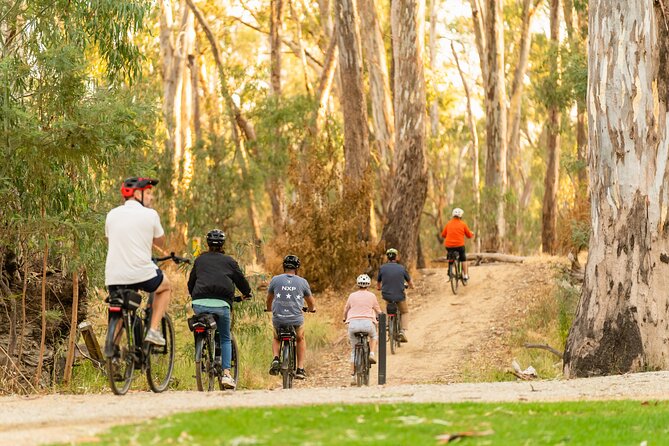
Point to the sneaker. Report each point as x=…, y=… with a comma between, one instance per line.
x=403, y=336
x=354, y=381
x=465, y=278
x=154, y=337
x=228, y=382
x=372, y=358
x=300, y=374
x=275, y=368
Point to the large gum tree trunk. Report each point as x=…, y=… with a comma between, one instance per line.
x=621, y=324
x=353, y=106
x=496, y=144
x=410, y=186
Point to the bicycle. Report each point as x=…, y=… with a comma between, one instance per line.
x=287, y=352
x=394, y=326
x=208, y=368
x=125, y=349
x=455, y=271
x=361, y=362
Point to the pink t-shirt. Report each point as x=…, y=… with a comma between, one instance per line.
x=361, y=304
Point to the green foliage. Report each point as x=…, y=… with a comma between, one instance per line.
x=65, y=129
x=574, y=423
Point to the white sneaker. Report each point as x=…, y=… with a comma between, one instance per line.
x=372, y=358
x=228, y=382
x=154, y=337
x=465, y=277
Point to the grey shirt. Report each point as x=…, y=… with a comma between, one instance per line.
x=392, y=276
x=289, y=293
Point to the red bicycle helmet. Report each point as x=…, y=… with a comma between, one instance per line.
x=130, y=185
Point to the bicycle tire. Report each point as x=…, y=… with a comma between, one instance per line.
x=287, y=365
x=391, y=333
x=365, y=363
x=455, y=278
x=115, y=365
x=398, y=329
x=204, y=368
x=161, y=358
x=358, y=364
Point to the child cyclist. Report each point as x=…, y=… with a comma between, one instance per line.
x=360, y=314
x=454, y=234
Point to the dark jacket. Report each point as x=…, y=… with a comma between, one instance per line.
x=214, y=276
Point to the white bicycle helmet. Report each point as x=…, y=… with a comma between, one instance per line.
x=364, y=281
x=457, y=212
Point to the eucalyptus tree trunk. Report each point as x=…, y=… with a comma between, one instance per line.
x=473, y=133
x=353, y=106
x=173, y=57
x=274, y=186
x=496, y=145
x=551, y=180
x=515, y=164
x=379, y=85
x=410, y=186
x=621, y=324
x=434, y=106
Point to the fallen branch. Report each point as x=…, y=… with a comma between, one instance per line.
x=489, y=256
x=544, y=347
x=16, y=367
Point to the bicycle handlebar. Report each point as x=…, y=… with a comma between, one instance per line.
x=172, y=257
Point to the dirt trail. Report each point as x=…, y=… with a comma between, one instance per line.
x=445, y=332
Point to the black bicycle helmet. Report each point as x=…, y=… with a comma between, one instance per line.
x=215, y=238
x=391, y=254
x=291, y=262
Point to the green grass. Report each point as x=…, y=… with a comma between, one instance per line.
x=568, y=423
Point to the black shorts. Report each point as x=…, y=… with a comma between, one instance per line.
x=149, y=286
x=461, y=252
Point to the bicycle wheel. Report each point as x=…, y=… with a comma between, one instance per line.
x=121, y=362
x=287, y=364
x=204, y=367
x=462, y=277
x=358, y=364
x=455, y=277
x=365, y=363
x=161, y=358
x=234, y=364
x=392, y=334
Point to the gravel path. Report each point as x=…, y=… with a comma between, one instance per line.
x=38, y=420
x=444, y=330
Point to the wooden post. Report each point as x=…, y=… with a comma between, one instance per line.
x=73, y=328
x=382, y=349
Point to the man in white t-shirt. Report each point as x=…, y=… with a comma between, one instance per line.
x=132, y=229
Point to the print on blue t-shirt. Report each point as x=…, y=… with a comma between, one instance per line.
x=289, y=292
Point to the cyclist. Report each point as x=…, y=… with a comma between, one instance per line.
x=286, y=295
x=392, y=280
x=454, y=234
x=211, y=285
x=131, y=230
x=360, y=313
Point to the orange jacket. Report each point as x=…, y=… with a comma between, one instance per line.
x=454, y=233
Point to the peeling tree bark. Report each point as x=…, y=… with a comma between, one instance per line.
x=496, y=145
x=410, y=186
x=622, y=324
x=379, y=86
x=353, y=104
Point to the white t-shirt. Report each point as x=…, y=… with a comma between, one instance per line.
x=130, y=230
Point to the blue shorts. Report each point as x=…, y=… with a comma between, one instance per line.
x=149, y=286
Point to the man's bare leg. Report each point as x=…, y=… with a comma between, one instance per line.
x=161, y=300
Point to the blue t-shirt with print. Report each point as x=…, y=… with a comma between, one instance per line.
x=289, y=292
x=392, y=276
